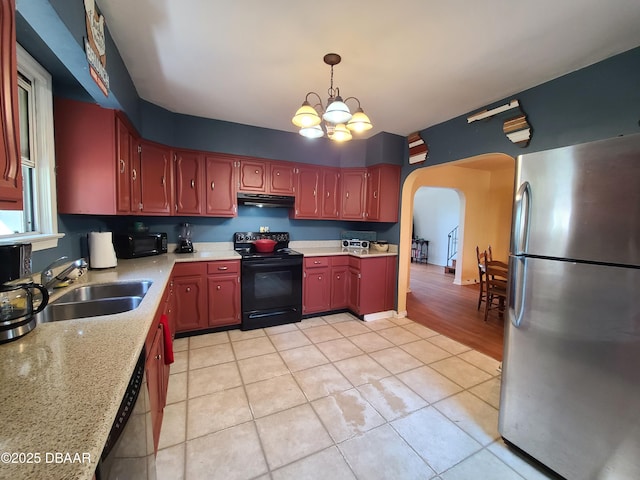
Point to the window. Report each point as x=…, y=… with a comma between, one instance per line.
x=37, y=222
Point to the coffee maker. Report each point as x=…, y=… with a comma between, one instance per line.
x=185, y=245
x=15, y=262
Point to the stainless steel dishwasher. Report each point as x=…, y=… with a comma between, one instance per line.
x=128, y=453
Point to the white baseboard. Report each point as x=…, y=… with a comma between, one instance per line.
x=370, y=317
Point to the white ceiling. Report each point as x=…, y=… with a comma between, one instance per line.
x=411, y=63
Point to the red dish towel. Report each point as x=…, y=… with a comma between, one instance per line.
x=168, y=343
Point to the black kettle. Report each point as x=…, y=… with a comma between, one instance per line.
x=19, y=304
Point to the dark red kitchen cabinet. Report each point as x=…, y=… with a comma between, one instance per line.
x=223, y=284
x=220, y=186
x=339, y=287
x=374, y=281
x=157, y=374
x=282, y=178
x=253, y=176
x=316, y=291
x=353, y=204
x=383, y=191
x=156, y=178
x=308, y=183
x=189, y=171
x=190, y=290
x=330, y=196
x=127, y=170
x=10, y=162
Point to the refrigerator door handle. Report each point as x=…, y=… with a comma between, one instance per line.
x=518, y=269
x=521, y=219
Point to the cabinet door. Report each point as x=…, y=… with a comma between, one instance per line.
x=282, y=178
x=156, y=178
x=383, y=191
x=373, y=285
x=10, y=163
x=124, y=180
x=339, y=287
x=191, y=302
x=156, y=386
x=316, y=290
x=224, y=300
x=253, y=176
x=354, y=289
x=189, y=178
x=220, y=186
x=353, y=194
x=307, y=192
x=330, y=201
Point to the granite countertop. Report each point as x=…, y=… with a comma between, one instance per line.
x=329, y=251
x=62, y=383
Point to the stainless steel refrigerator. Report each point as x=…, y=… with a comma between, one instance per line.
x=570, y=393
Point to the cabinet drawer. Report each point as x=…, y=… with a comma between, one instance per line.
x=230, y=266
x=316, y=262
x=339, y=260
x=189, y=268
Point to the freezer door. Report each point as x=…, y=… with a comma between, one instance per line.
x=580, y=202
x=571, y=369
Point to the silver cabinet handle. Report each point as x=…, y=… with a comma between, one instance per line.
x=212, y=185
x=347, y=194
x=188, y=289
x=338, y=277
x=257, y=172
x=122, y=166
x=223, y=268
x=218, y=287
x=134, y=175
x=158, y=357
x=375, y=194
x=277, y=174
x=193, y=183
x=316, y=262
x=162, y=181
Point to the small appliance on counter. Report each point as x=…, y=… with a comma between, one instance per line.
x=135, y=245
x=101, y=251
x=355, y=244
x=18, y=305
x=15, y=261
x=185, y=244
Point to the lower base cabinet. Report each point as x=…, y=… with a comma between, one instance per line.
x=157, y=373
x=363, y=285
x=207, y=295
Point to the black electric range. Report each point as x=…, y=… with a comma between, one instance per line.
x=271, y=283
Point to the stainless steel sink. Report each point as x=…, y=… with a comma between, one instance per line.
x=105, y=290
x=55, y=312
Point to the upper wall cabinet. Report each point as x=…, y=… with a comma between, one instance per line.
x=156, y=175
x=383, y=190
x=220, y=186
x=317, y=192
x=353, y=202
x=261, y=176
x=97, y=170
x=10, y=170
x=189, y=177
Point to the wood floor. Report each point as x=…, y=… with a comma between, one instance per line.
x=451, y=310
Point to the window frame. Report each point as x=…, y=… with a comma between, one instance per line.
x=43, y=144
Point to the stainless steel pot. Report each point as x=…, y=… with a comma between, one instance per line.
x=18, y=305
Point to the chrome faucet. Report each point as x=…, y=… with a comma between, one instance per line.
x=49, y=280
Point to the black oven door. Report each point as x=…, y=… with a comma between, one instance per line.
x=271, y=292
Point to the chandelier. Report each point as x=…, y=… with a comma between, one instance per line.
x=336, y=121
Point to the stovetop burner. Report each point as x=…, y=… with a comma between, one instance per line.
x=243, y=244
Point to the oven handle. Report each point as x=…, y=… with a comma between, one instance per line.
x=274, y=262
x=271, y=314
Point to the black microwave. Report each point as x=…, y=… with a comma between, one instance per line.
x=135, y=245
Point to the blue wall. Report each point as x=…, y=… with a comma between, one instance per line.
x=599, y=101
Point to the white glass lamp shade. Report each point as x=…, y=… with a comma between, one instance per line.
x=341, y=133
x=312, y=132
x=306, y=116
x=337, y=112
x=359, y=122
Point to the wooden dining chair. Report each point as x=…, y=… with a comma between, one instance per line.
x=495, y=274
x=481, y=260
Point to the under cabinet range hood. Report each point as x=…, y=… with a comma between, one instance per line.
x=262, y=200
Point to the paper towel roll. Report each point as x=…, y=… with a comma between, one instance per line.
x=101, y=252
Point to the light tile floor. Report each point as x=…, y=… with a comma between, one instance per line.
x=334, y=397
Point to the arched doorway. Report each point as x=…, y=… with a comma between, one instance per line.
x=485, y=184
